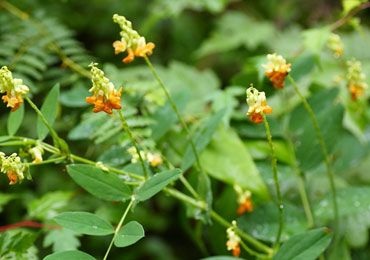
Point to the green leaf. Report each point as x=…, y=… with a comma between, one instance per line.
x=165, y=117
x=5, y=198
x=156, y=183
x=15, y=120
x=75, y=97
x=69, y=255
x=227, y=159
x=305, y=246
x=263, y=222
x=351, y=200
x=104, y=185
x=315, y=39
x=201, y=139
x=348, y=5
x=62, y=239
x=48, y=206
x=84, y=223
x=49, y=110
x=129, y=234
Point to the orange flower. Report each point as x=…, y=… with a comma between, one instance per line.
x=276, y=69
x=244, y=200
x=257, y=105
x=13, y=177
x=12, y=166
x=13, y=87
x=233, y=240
x=106, y=97
x=355, y=79
x=131, y=41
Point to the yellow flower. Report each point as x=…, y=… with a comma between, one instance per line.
x=276, y=69
x=257, y=105
x=106, y=97
x=13, y=87
x=131, y=41
x=335, y=44
x=36, y=153
x=233, y=240
x=244, y=200
x=355, y=79
x=155, y=159
x=12, y=166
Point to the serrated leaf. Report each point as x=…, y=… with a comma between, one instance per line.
x=48, y=206
x=129, y=234
x=201, y=139
x=305, y=246
x=62, y=239
x=69, y=255
x=104, y=185
x=49, y=110
x=227, y=159
x=15, y=120
x=156, y=183
x=84, y=223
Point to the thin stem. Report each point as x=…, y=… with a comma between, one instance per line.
x=276, y=180
x=301, y=185
x=323, y=149
x=47, y=161
x=252, y=252
x=83, y=160
x=51, y=130
x=131, y=136
x=118, y=228
x=189, y=187
x=17, y=143
x=174, y=107
x=346, y=18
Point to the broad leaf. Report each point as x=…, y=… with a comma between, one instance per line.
x=49, y=110
x=227, y=159
x=201, y=139
x=15, y=120
x=69, y=255
x=129, y=234
x=62, y=239
x=84, y=223
x=104, y=185
x=305, y=246
x=156, y=183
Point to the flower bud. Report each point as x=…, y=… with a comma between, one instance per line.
x=276, y=69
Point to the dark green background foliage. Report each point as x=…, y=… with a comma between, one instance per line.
x=207, y=53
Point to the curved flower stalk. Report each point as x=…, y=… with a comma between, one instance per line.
x=276, y=69
x=106, y=97
x=335, y=44
x=12, y=166
x=355, y=79
x=131, y=41
x=257, y=105
x=13, y=87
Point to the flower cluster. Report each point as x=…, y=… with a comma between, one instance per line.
x=244, y=200
x=131, y=41
x=106, y=97
x=257, y=105
x=233, y=240
x=276, y=69
x=36, y=153
x=12, y=166
x=355, y=79
x=335, y=44
x=154, y=159
x=13, y=87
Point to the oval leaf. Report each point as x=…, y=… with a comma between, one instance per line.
x=85, y=223
x=49, y=110
x=104, y=185
x=305, y=246
x=68, y=255
x=129, y=234
x=156, y=183
x=15, y=120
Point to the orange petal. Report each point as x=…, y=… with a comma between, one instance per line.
x=130, y=56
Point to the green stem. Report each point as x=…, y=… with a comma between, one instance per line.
x=128, y=130
x=276, y=180
x=324, y=152
x=53, y=134
x=189, y=187
x=17, y=143
x=83, y=160
x=174, y=107
x=301, y=185
x=47, y=161
x=118, y=228
x=252, y=252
